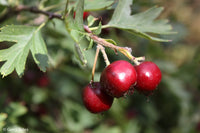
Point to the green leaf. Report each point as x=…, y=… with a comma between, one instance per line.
x=91, y=20
x=132, y=126
x=38, y=95
x=3, y=116
x=80, y=54
x=79, y=14
x=98, y=30
x=76, y=117
x=106, y=129
x=26, y=39
x=16, y=109
x=140, y=24
x=93, y=5
x=90, y=45
x=76, y=30
x=111, y=41
x=88, y=56
x=75, y=26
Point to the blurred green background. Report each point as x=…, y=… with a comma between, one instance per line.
x=51, y=102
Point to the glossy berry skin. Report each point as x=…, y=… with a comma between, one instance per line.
x=118, y=77
x=148, y=76
x=95, y=100
x=85, y=15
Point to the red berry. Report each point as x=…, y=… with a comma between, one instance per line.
x=43, y=81
x=118, y=77
x=148, y=76
x=95, y=99
x=85, y=15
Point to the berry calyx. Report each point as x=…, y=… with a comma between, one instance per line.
x=95, y=100
x=148, y=76
x=118, y=77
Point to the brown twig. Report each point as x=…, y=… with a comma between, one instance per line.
x=124, y=50
x=95, y=62
x=12, y=11
x=104, y=54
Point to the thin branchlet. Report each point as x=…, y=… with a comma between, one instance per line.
x=124, y=50
x=104, y=54
x=12, y=11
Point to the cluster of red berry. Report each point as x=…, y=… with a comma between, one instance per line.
x=119, y=79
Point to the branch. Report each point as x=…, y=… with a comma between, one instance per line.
x=95, y=62
x=124, y=50
x=33, y=9
x=104, y=55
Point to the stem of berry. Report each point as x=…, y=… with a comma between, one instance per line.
x=95, y=62
x=104, y=54
x=124, y=50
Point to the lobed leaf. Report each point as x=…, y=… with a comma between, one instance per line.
x=140, y=24
x=93, y=5
x=26, y=38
